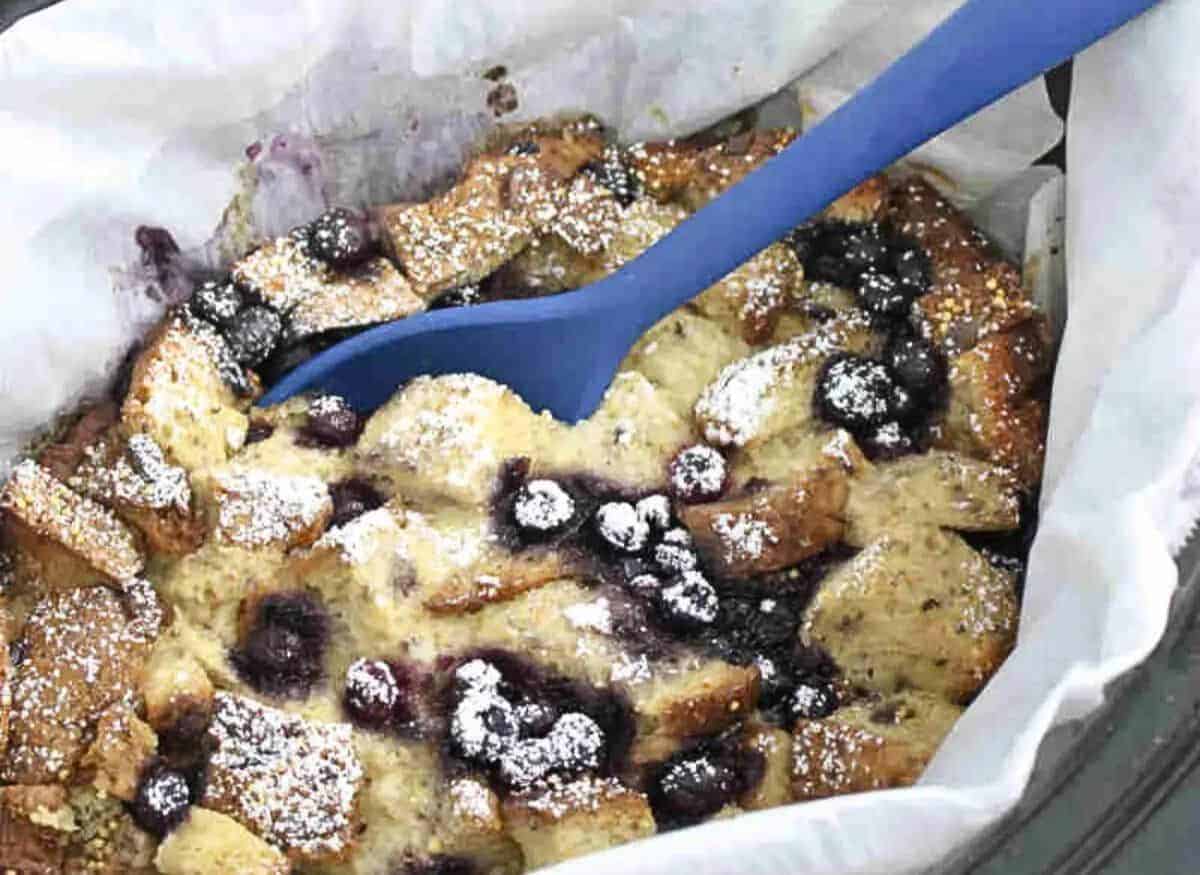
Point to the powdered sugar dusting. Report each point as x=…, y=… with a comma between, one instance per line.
x=356, y=541
x=743, y=536
x=594, y=616
x=733, y=408
x=620, y=525
x=543, y=505
x=256, y=507
x=558, y=797
x=291, y=781
x=470, y=799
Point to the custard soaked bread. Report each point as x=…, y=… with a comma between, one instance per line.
x=453, y=635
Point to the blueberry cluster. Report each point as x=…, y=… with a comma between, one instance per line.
x=887, y=271
x=254, y=332
x=251, y=329
x=521, y=724
x=758, y=624
x=640, y=546
x=885, y=403
x=658, y=562
x=283, y=650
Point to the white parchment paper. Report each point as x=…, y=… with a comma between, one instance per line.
x=116, y=116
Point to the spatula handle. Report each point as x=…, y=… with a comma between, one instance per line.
x=981, y=52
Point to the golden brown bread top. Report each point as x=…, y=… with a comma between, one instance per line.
x=46, y=517
x=752, y=298
x=122, y=747
x=915, y=609
x=210, y=843
x=975, y=291
x=770, y=528
x=144, y=490
x=497, y=576
x=257, y=508
x=292, y=782
x=995, y=409
x=179, y=396
x=83, y=651
x=936, y=488
x=567, y=818
x=869, y=745
x=318, y=296
x=682, y=171
x=29, y=845
x=490, y=215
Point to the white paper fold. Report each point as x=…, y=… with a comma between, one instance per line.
x=115, y=116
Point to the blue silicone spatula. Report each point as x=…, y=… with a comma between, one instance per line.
x=560, y=353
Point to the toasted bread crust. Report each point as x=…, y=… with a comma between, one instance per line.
x=771, y=528
x=567, y=819
x=975, y=290
x=60, y=528
x=82, y=654
x=868, y=745
x=995, y=410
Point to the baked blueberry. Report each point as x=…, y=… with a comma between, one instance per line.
x=697, y=474
x=854, y=392
x=805, y=242
x=612, y=173
x=698, y=787
x=646, y=585
x=217, y=301
x=910, y=264
x=352, y=498
x=384, y=696
x=826, y=268
x=867, y=250
x=339, y=237
x=283, y=652
x=688, y=602
x=905, y=408
x=675, y=558
x=523, y=147
x=887, y=441
x=371, y=693
x=656, y=511
x=883, y=296
x=542, y=507
x=257, y=432
x=331, y=422
x=253, y=334
x=917, y=366
x=162, y=800
x=814, y=699
x=620, y=527
x=462, y=296
x=438, y=864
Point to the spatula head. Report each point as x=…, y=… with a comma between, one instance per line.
x=558, y=354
